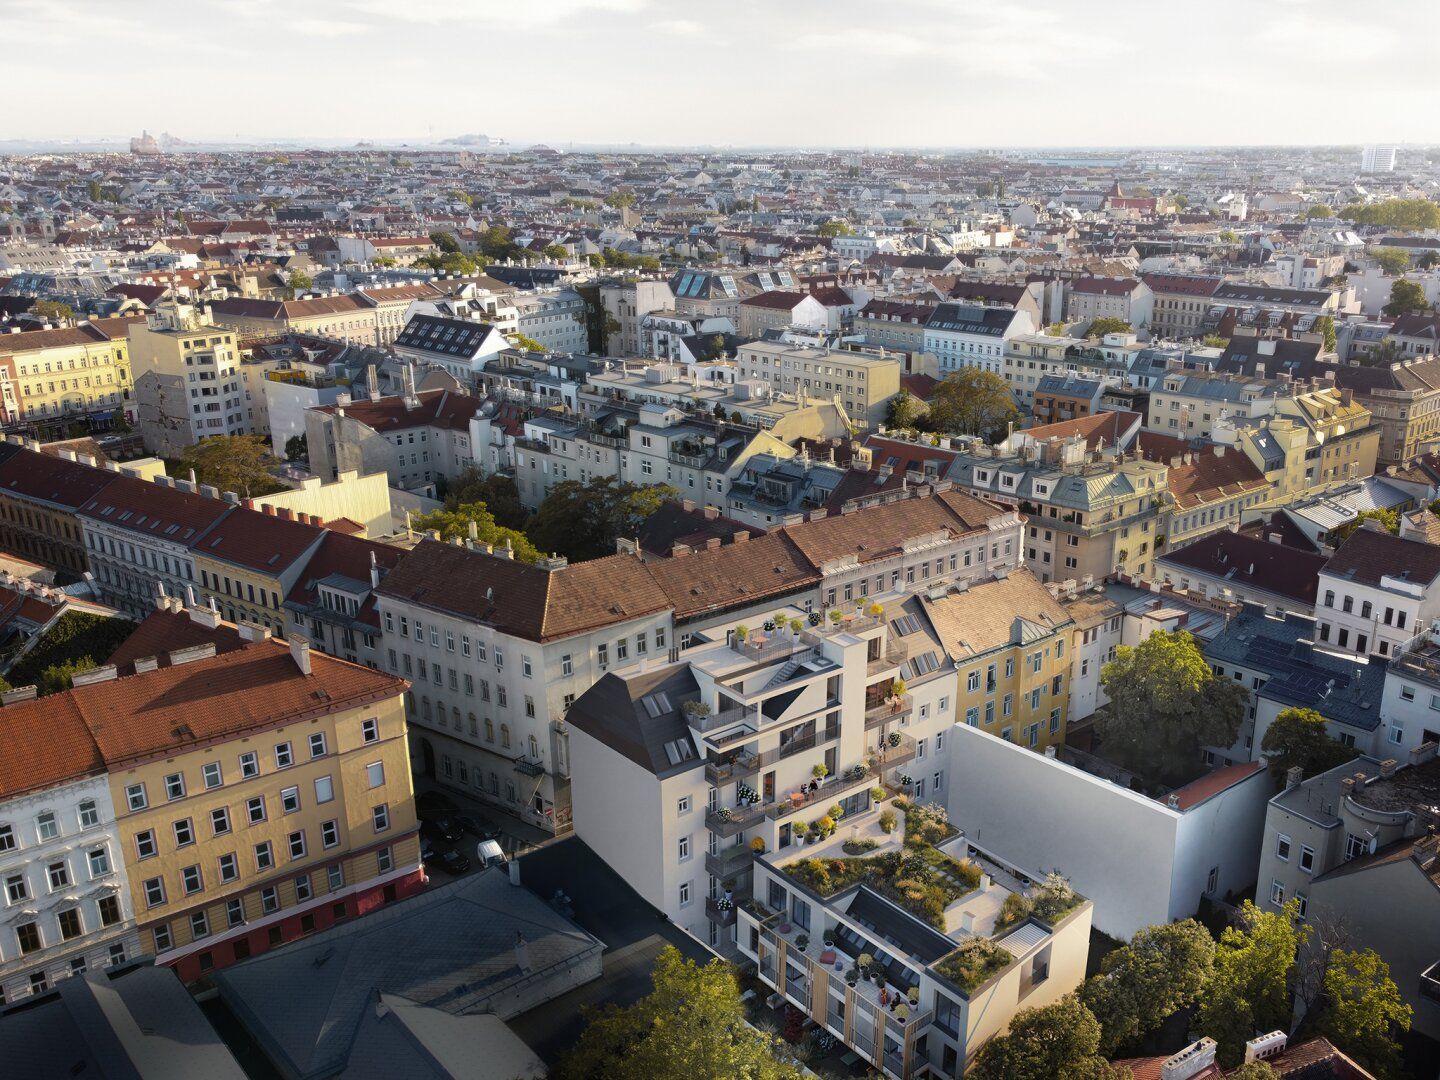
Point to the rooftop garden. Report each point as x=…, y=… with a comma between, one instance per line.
x=974, y=963
x=919, y=878
x=1050, y=901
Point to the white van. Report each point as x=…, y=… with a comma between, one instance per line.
x=488, y=853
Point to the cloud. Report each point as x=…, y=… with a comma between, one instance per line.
x=328, y=28
x=528, y=15
x=680, y=27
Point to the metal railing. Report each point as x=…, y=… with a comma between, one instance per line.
x=713, y=721
x=895, y=654
x=729, y=861
x=727, y=821
x=892, y=708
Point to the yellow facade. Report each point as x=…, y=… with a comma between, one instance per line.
x=191, y=849
x=1020, y=692
x=68, y=371
x=242, y=593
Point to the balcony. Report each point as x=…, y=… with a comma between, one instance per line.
x=732, y=767
x=828, y=792
x=729, y=820
x=530, y=766
x=719, y=915
x=729, y=862
x=892, y=657
x=848, y=624
x=777, y=644
x=714, y=721
x=892, y=708
x=886, y=756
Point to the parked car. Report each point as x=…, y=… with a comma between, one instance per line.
x=489, y=853
x=427, y=852
x=482, y=828
x=452, y=862
x=441, y=828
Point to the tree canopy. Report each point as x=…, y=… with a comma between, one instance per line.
x=1326, y=325
x=453, y=523
x=1406, y=298
x=1166, y=703
x=1395, y=213
x=1387, y=517
x=691, y=1025
x=1108, y=324
x=972, y=402
x=1297, y=737
x=619, y=200
x=529, y=344
x=300, y=281
x=832, y=229
x=497, y=491
x=1392, y=260
x=1053, y=1042
x=52, y=311
x=1140, y=985
x=904, y=410
x=555, y=251
x=1249, y=990
x=445, y=242
x=583, y=520
x=78, y=641
x=1363, y=1009
x=297, y=448
x=239, y=463
x=1319, y=212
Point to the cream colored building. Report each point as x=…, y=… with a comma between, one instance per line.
x=863, y=382
x=188, y=383
x=69, y=371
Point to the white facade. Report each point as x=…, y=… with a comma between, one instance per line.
x=64, y=900
x=1139, y=860
x=554, y=319
x=1354, y=617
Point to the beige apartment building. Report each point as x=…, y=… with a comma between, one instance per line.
x=863, y=382
x=67, y=371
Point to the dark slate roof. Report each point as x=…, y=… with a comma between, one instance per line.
x=1367, y=555
x=1339, y=688
x=444, y=337
x=971, y=319
x=1269, y=294
x=1289, y=355
x=1248, y=560
x=614, y=712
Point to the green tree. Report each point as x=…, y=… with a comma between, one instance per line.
x=1229, y=236
x=1363, y=1010
x=1428, y=260
x=297, y=448
x=1055, y=329
x=910, y=222
x=462, y=197
x=1165, y=703
x=557, y=252
x=300, y=281
x=529, y=344
x=1108, y=324
x=454, y=524
x=904, y=410
x=985, y=189
x=832, y=229
x=1417, y=214
x=1140, y=985
x=77, y=641
x=1319, y=212
x=1388, y=518
x=620, y=200
x=1253, y=1070
x=1214, y=341
x=95, y=191
x=1406, y=298
x=238, y=463
x=57, y=677
x=52, y=311
x=1249, y=990
x=1297, y=738
x=972, y=402
x=583, y=520
x=444, y=241
x=497, y=492
x=1054, y=1042
x=1392, y=260
x=691, y=1025
x=1326, y=325
x=1180, y=201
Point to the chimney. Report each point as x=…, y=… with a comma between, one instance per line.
x=1265, y=1046
x=374, y=572
x=1293, y=777
x=300, y=651
x=712, y=544
x=740, y=536
x=522, y=951
x=1193, y=1060
x=1388, y=767
x=269, y=508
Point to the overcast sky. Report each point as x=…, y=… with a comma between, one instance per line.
x=742, y=72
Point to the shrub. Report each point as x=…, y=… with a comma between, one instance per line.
x=859, y=847
x=975, y=962
x=888, y=821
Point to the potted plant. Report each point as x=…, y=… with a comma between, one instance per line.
x=742, y=633
x=827, y=826
x=835, y=616
x=757, y=845
x=905, y=779
x=893, y=739
x=877, y=794
x=802, y=942
x=852, y=977
x=863, y=961
x=769, y=626
x=836, y=812
x=913, y=994
x=887, y=821
x=723, y=903
x=897, y=689
x=814, y=618
x=876, y=609
x=724, y=813
x=902, y=1011
x=820, y=772
x=696, y=709
x=829, y=938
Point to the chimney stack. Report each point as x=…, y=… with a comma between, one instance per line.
x=300, y=652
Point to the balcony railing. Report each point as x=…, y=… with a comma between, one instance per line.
x=714, y=721
x=727, y=821
x=848, y=624
x=729, y=861
x=721, y=916
x=895, y=654
x=888, y=757
x=778, y=643
x=828, y=791
x=732, y=767
x=529, y=766
x=892, y=708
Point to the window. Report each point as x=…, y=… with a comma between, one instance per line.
x=161, y=934
x=47, y=825
x=269, y=900
x=1277, y=893
x=7, y=838
x=28, y=935
x=210, y=774
x=1212, y=880
x=324, y=789
x=234, y=912
x=685, y=896
x=255, y=809
x=380, y=815
x=175, y=786
x=375, y=774
x=1355, y=846
x=98, y=860
x=284, y=757
x=1307, y=859
x=89, y=816
x=384, y=861
x=682, y=805
x=249, y=765
x=289, y=800
x=15, y=889
x=335, y=878
x=199, y=925
x=184, y=833
x=109, y=911
x=296, y=843
x=229, y=867
x=154, y=891
x=303, y=889
x=1302, y=905
x=264, y=856
x=684, y=848
x=317, y=744
x=370, y=730
x=329, y=833
x=190, y=880
x=145, y=844
x=1282, y=848
x=135, y=797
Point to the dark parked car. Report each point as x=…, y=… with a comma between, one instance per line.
x=482, y=828
x=452, y=862
x=441, y=828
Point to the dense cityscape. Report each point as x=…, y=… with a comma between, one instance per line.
x=498, y=609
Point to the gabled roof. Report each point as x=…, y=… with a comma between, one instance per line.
x=164, y=631
x=1369, y=554
x=259, y=541
x=1015, y=609
x=434, y=408
x=54, y=480
x=1250, y=561
x=639, y=716
x=165, y=513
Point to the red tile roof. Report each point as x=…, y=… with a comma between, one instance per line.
x=54, y=480
x=163, y=632
x=150, y=508
x=46, y=743
x=437, y=408
x=1102, y=427
x=258, y=541
x=1213, y=783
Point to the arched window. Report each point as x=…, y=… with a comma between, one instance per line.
x=489, y=730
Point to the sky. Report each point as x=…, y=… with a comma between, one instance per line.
x=854, y=73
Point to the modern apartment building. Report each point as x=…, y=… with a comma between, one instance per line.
x=188, y=384
x=64, y=896
x=260, y=793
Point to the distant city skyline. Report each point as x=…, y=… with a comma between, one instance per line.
x=910, y=73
